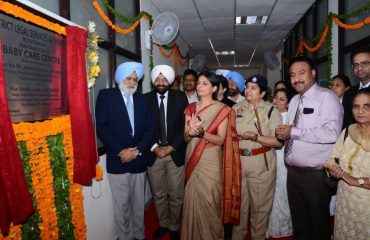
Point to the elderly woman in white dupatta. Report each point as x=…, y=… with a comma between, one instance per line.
x=352, y=152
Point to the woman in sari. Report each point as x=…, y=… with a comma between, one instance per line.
x=350, y=163
x=212, y=190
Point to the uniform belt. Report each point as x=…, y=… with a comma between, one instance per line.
x=254, y=151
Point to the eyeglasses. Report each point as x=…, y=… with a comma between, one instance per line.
x=363, y=64
x=365, y=107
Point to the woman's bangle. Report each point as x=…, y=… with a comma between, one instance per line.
x=201, y=134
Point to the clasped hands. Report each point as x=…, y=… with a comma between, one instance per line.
x=282, y=132
x=128, y=154
x=334, y=169
x=249, y=135
x=195, y=127
x=162, y=152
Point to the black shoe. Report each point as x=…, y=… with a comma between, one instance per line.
x=159, y=233
x=175, y=235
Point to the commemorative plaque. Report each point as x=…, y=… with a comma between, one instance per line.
x=34, y=69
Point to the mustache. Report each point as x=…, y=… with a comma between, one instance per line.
x=298, y=82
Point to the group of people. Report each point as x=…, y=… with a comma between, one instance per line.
x=217, y=154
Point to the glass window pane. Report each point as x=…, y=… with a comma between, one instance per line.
x=351, y=36
x=321, y=75
x=322, y=18
x=82, y=11
x=51, y=5
x=309, y=26
x=347, y=70
x=101, y=83
x=128, y=42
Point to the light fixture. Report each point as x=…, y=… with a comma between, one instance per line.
x=264, y=19
x=241, y=65
x=249, y=20
x=225, y=53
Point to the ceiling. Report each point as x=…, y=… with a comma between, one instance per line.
x=201, y=20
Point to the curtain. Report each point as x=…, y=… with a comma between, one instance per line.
x=15, y=200
x=83, y=136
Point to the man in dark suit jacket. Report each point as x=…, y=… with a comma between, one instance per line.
x=360, y=59
x=124, y=124
x=167, y=156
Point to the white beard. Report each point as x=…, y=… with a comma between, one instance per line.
x=127, y=90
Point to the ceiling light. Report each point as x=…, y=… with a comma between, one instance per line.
x=264, y=19
x=224, y=53
x=241, y=65
x=251, y=19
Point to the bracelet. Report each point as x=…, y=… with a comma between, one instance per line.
x=201, y=134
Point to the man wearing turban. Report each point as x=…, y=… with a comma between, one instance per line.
x=167, y=156
x=124, y=125
x=236, y=86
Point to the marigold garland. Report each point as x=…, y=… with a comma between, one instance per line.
x=99, y=173
x=177, y=57
x=35, y=134
x=124, y=18
x=21, y=13
x=354, y=26
x=112, y=25
x=326, y=34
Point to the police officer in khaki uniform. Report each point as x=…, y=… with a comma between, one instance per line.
x=256, y=121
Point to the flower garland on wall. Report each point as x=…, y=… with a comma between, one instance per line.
x=326, y=35
x=21, y=13
x=177, y=56
x=47, y=153
x=92, y=55
x=112, y=25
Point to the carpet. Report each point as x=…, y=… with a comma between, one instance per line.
x=151, y=224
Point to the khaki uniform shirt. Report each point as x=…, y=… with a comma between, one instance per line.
x=246, y=121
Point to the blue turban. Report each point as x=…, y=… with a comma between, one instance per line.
x=238, y=79
x=125, y=69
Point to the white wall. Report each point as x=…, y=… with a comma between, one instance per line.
x=98, y=208
x=146, y=5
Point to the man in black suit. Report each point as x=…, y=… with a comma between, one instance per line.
x=167, y=156
x=360, y=59
x=124, y=124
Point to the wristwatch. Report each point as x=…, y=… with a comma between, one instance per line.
x=361, y=181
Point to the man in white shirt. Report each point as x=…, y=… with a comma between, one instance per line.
x=190, y=79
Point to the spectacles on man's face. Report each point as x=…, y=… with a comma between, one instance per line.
x=363, y=64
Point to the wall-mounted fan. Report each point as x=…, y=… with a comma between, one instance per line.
x=198, y=63
x=271, y=60
x=164, y=31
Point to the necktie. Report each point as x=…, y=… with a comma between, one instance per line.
x=130, y=111
x=162, y=120
x=297, y=117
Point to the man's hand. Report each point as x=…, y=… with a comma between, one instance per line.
x=283, y=132
x=162, y=152
x=128, y=154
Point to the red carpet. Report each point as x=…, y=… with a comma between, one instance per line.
x=151, y=224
